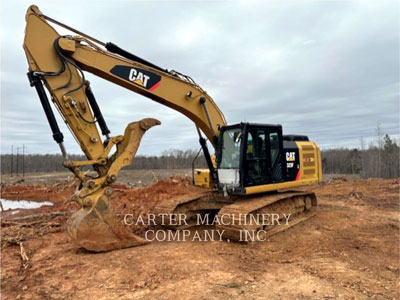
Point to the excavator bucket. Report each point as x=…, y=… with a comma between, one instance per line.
x=95, y=226
x=99, y=230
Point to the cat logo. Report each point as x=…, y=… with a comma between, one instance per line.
x=290, y=156
x=308, y=159
x=138, y=77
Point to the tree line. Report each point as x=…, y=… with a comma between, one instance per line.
x=32, y=163
x=378, y=160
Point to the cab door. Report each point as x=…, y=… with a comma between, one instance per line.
x=263, y=156
x=256, y=157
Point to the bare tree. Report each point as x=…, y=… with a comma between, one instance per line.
x=379, y=137
x=362, y=144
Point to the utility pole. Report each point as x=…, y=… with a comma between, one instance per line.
x=12, y=162
x=17, y=160
x=23, y=160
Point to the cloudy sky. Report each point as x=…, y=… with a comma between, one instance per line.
x=329, y=70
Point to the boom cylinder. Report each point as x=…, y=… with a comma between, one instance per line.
x=37, y=83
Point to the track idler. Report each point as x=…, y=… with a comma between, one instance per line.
x=95, y=226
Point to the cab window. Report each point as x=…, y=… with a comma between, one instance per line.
x=231, y=141
x=274, y=142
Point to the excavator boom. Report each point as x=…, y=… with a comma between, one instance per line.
x=47, y=51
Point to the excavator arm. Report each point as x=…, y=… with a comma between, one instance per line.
x=58, y=63
x=169, y=88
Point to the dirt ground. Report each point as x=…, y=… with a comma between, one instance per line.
x=349, y=250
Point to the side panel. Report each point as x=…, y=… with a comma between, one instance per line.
x=291, y=158
x=310, y=161
x=309, y=172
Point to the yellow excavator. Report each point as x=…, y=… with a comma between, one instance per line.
x=253, y=171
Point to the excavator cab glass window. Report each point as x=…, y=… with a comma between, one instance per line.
x=274, y=142
x=231, y=141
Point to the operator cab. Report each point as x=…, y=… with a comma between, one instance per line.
x=250, y=155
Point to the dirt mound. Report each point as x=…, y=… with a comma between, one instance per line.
x=143, y=200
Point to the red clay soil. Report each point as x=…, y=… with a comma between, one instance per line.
x=124, y=199
x=143, y=200
x=349, y=250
